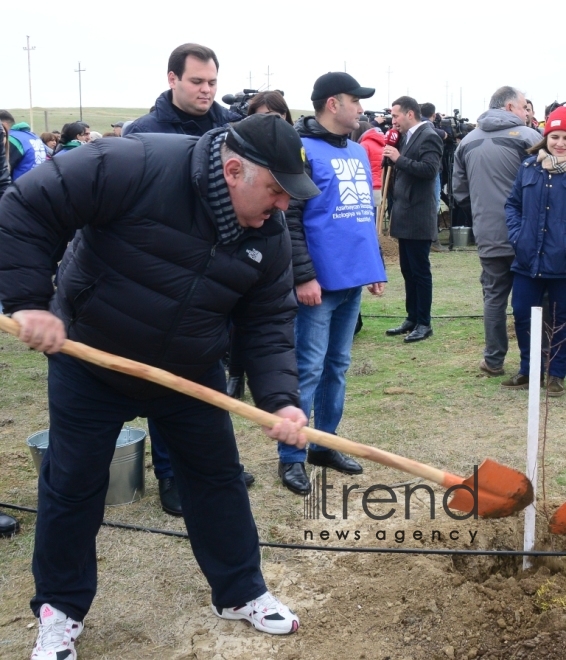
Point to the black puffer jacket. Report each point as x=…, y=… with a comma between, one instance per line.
x=148, y=280
x=164, y=119
x=303, y=268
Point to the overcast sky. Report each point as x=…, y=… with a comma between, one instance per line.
x=124, y=47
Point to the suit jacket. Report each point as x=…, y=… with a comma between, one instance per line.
x=414, y=213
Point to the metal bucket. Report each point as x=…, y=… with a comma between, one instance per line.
x=460, y=236
x=127, y=473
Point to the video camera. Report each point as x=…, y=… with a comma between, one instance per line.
x=454, y=126
x=240, y=101
x=385, y=113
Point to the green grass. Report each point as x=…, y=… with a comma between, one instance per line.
x=99, y=119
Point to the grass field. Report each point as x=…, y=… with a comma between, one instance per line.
x=99, y=119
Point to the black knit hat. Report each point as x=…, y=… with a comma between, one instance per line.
x=339, y=82
x=269, y=141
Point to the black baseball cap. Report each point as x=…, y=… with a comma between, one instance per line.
x=339, y=82
x=269, y=141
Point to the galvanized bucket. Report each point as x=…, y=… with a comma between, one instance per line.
x=127, y=473
x=460, y=236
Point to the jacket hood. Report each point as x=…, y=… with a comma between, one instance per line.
x=310, y=128
x=374, y=135
x=496, y=120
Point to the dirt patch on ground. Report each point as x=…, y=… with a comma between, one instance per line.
x=390, y=249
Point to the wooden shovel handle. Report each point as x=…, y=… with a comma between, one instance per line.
x=161, y=377
x=383, y=204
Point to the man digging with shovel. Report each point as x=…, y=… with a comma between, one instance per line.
x=178, y=234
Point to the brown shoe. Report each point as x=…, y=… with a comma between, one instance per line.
x=518, y=382
x=491, y=371
x=555, y=386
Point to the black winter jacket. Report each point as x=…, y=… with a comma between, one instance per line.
x=303, y=268
x=148, y=280
x=164, y=119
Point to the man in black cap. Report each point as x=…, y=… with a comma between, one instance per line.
x=178, y=234
x=118, y=128
x=335, y=253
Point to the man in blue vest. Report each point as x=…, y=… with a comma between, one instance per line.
x=335, y=253
x=26, y=148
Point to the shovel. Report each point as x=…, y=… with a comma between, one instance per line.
x=557, y=523
x=493, y=491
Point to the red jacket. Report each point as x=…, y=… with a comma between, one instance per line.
x=373, y=141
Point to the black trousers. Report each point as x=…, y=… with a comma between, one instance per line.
x=415, y=268
x=86, y=416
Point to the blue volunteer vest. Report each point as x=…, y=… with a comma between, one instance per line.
x=340, y=223
x=34, y=152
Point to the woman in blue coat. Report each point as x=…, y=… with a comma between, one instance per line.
x=536, y=220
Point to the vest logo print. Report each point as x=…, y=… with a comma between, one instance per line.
x=39, y=150
x=255, y=255
x=353, y=184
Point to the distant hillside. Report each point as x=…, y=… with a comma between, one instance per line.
x=99, y=119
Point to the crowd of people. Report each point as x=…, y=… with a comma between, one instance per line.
x=206, y=234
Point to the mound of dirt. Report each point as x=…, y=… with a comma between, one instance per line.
x=390, y=249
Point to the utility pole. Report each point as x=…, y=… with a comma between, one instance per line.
x=345, y=70
x=268, y=74
x=79, y=70
x=29, y=49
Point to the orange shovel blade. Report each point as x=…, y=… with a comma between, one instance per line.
x=497, y=490
x=557, y=523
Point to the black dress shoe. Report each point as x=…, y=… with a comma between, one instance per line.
x=235, y=387
x=8, y=525
x=295, y=478
x=419, y=333
x=169, y=496
x=248, y=479
x=405, y=327
x=334, y=459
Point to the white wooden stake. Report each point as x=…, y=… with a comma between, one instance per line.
x=533, y=429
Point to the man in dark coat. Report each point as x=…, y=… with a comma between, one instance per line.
x=414, y=213
x=178, y=234
x=188, y=107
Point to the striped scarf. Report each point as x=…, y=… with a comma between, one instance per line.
x=554, y=164
x=229, y=229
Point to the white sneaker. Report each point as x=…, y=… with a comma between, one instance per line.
x=265, y=613
x=57, y=635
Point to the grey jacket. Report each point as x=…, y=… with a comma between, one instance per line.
x=485, y=166
x=414, y=213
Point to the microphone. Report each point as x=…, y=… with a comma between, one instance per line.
x=229, y=99
x=391, y=137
